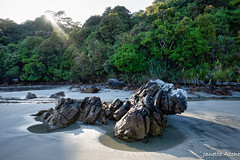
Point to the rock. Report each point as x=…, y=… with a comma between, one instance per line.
x=115, y=84
x=75, y=88
x=90, y=110
x=221, y=90
x=177, y=102
x=133, y=125
x=40, y=113
x=67, y=111
x=15, y=80
x=196, y=89
x=120, y=112
x=57, y=95
x=113, y=107
x=6, y=81
x=90, y=89
x=30, y=96
x=143, y=114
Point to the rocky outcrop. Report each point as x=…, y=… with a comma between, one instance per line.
x=67, y=111
x=148, y=106
x=30, y=95
x=115, y=84
x=57, y=95
x=142, y=116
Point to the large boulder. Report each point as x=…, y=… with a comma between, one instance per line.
x=115, y=84
x=147, y=109
x=30, y=95
x=65, y=113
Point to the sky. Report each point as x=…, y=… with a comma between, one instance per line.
x=78, y=10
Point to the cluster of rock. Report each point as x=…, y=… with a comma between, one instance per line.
x=31, y=95
x=143, y=115
x=217, y=90
x=67, y=111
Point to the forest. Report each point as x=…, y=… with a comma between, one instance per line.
x=181, y=41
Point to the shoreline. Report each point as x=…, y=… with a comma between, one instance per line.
x=7, y=94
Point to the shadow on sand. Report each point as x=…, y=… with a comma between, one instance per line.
x=185, y=137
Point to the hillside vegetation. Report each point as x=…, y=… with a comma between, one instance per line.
x=174, y=40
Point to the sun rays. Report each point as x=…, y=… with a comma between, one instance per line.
x=56, y=27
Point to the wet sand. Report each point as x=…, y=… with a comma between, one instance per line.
x=208, y=127
x=18, y=95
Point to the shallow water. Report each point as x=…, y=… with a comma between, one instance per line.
x=206, y=127
x=170, y=138
x=42, y=129
x=15, y=96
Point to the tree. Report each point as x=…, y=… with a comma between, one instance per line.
x=191, y=50
x=128, y=59
x=110, y=27
x=206, y=27
x=50, y=51
x=92, y=21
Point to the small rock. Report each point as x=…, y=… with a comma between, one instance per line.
x=115, y=84
x=57, y=95
x=90, y=89
x=15, y=80
x=30, y=95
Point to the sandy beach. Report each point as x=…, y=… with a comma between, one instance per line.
x=207, y=130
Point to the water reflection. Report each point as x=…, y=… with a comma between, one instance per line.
x=42, y=129
x=170, y=138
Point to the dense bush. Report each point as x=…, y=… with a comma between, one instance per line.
x=188, y=40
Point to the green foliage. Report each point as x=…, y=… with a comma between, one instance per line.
x=5, y=40
x=157, y=69
x=171, y=40
x=220, y=20
x=110, y=27
x=191, y=50
x=198, y=72
x=33, y=69
x=78, y=35
x=92, y=21
x=222, y=75
x=128, y=59
x=206, y=27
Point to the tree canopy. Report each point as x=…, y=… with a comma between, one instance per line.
x=177, y=40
